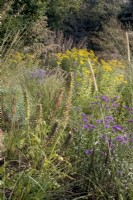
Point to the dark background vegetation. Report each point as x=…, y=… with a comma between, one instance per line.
x=75, y=18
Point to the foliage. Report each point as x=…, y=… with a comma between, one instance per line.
x=89, y=18
x=115, y=34
x=22, y=12
x=125, y=16
x=20, y=17
x=57, y=11
x=69, y=16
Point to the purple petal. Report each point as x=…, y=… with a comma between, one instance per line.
x=88, y=151
x=117, y=127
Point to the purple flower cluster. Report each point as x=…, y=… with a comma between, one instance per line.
x=128, y=108
x=122, y=139
x=109, y=102
x=130, y=120
x=105, y=98
x=114, y=134
x=103, y=136
x=99, y=121
x=87, y=125
x=117, y=128
x=109, y=120
x=38, y=73
x=119, y=138
x=115, y=105
x=89, y=151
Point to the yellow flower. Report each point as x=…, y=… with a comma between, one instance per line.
x=120, y=79
x=81, y=62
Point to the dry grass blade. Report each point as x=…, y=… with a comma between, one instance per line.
x=128, y=48
x=93, y=76
x=2, y=148
x=59, y=101
x=66, y=43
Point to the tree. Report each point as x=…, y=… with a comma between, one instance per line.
x=59, y=10
x=19, y=13
x=90, y=16
x=126, y=15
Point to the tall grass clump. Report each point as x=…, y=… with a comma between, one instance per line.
x=30, y=98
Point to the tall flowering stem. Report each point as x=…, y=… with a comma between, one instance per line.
x=27, y=111
x=68, y=102
x=1, y=113
x=62, y=125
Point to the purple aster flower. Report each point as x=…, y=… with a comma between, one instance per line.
x=130, y=108
x=84, y=115
x=86, y=126
x=99, y=121
x=85, y=118
x=131, y=120
x=107, y=126
x=103, y=136
x=117, y=127
x=89, y=126
x=115, y=105
x=105, y=98
x=89, y=151
x=107, y=107
x=109, y=119
x=122, y=139
x=126, y=107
